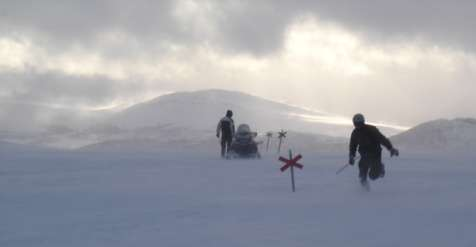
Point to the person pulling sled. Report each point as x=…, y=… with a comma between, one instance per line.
x=367, y=139
x=226, y=127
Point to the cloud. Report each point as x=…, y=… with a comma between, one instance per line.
x=73, y=21
x=394, y=60
x=31, y=100
x=243, y=26
x=444, y=22
x=57, y=89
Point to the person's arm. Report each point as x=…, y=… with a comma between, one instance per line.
x=352, y=147
x=382, y=139
x=219, y=128
x=386, y=143
x=232, y=128
x=353, y=144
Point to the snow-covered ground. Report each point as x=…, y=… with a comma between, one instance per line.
x=186, y=199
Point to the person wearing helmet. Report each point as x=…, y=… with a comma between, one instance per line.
x=367, y=139
x=226, y=127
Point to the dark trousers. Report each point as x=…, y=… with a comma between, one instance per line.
x=371, y=166
x=225, y=146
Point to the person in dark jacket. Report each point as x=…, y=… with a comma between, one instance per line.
x=367, y=138
x=226, y=127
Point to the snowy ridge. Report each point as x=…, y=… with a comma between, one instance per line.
x=201, y=110
x=187, y=120
x=457, y=135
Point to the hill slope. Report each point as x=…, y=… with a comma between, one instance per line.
x=443, y=135
x=201, y=110
x=188, y=120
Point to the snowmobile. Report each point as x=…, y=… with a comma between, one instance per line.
x=244, y=144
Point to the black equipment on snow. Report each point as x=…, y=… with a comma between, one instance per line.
x=244, y=144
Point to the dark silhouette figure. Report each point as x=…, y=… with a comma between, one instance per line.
x=367, y=138
x=226, y=127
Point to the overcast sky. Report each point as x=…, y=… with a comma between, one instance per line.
x=402, y=62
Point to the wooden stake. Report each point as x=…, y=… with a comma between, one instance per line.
x=292, y=171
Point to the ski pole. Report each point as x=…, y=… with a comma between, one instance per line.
x=342, y=168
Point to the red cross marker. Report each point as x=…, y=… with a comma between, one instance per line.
x=291, y=163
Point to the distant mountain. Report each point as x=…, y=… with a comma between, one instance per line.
x=187, y=120
x=457, y=135
x=201, y=110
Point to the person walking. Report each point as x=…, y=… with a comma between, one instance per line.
x=226, y=127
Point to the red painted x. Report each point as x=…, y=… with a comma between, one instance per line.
x=291, y=162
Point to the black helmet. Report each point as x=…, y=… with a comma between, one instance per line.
x=358, y=120
x=229, y=113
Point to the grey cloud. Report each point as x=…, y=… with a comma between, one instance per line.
x=48, y=88
x=259, y=25
x=253, y=26
x=77, y=19
x=242, y=26
x=441, y=21
x=59, y=25
x=32, y=100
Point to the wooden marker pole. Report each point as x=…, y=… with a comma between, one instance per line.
x=269, y=135
x=292, y=171
x=291, y=163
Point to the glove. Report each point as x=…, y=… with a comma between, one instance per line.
x=394, y=152
x=351, y=160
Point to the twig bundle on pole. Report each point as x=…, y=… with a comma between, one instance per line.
x=281, y=136
x=268, y=135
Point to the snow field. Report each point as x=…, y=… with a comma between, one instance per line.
x=167, y=199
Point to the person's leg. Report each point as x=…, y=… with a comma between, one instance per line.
x=376, y=168
x=363, y=168
x=382, y=165
x=223, y=147
x=228, y=145
x=363, y=172
x=382, y=170
x=374, y=172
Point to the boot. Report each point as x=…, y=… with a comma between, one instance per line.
x=365, y=184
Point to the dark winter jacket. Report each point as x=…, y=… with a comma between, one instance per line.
x=368, y=139
x=227, y=128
